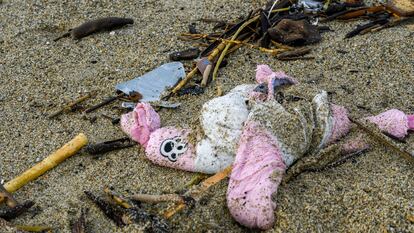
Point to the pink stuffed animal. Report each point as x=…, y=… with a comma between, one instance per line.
x=261, y=138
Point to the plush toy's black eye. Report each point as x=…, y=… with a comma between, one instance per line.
x=168, y=147
x=173, y=155
x=179, y=147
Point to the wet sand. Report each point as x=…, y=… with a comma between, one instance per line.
x=372, y=193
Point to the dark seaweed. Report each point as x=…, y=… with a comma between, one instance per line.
x=112, y=211
x=12, y=213
x=104, y=147
x=97, y=25
x=188, y=54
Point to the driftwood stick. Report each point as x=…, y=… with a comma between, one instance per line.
x=148, y=198
x=69, y=106
x=47, y=164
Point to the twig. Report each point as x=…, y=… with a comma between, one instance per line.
x=47, y=164
x=196, y=194
x=105, y=102
x=104, y=147
x=384, y=140
x=117, y=198
x=158, y=198
x=68, y=107
x=223, y=54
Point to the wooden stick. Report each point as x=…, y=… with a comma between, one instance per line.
x=69, y=106
x=105, y=102
x=148, y=198
x=47, y=164
x=196, y=194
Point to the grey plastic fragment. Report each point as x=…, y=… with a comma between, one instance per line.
x=152, y=84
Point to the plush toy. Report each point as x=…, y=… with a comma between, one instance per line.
x=261, y=129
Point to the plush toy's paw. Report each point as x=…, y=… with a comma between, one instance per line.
x=140, y=123
x=393, y=122
x=256, y=175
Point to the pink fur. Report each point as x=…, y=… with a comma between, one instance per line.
x=393, y=122
x=249, y=195
x=410, y=119
x=342, y=124
x=264, y=74
x=140, y=123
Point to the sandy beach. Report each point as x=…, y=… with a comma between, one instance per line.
x=367, y=74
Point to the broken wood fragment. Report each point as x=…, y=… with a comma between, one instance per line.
x=68, y=107
x=97, y=25
x=293, y=53
x=105, y=102
x=148, y=198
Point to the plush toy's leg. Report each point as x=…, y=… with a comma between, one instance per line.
x=256, y=175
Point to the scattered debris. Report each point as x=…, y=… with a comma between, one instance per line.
x=188, y=54
x=124, y=216
x=101, y=148
x=104, y=103
x=97, y=25
x=198, y=191
x=68, y=107
x=153, y=84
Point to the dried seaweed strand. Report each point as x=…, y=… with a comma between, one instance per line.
x=234, y=37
